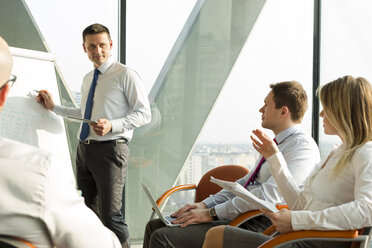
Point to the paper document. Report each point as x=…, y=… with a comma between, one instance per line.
x=243, y=193
x=77, y=119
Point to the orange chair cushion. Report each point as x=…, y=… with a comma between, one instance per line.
x=226, y=172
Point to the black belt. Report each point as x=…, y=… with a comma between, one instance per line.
x=117, y=141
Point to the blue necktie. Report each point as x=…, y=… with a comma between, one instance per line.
x=88, y=106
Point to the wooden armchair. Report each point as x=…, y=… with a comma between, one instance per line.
x=205, y=187
x=358, y=238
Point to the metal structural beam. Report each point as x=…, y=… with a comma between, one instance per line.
x=122, y=30
x=316, y=70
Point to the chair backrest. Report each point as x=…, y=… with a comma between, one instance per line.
x=225, y=172
x=366, y=233
x=14, y=242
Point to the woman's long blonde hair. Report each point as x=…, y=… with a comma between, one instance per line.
x=347, y=102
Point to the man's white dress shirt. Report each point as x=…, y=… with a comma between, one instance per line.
x=301, y=154
x=329, y=201
x=119, y=97
x=39, y=201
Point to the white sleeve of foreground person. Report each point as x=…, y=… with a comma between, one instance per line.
x=69, y=221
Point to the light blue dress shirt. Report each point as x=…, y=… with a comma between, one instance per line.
x=301, y=153
x=119, y=97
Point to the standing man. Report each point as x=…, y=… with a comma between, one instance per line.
x=39, y=201
x=283, y=110
x=113, y=95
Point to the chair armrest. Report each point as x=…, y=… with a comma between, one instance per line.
x=303, y=235
x=164, y=196
x=270, y=231
x=13, y=241
x=244, y=217
x=28, y=244
x=250, y=215
x=280, y=207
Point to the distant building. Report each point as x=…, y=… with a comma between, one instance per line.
x=205, y=157
x=208, y=156
x=77, y=97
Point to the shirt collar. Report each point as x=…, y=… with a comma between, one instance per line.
x=280, y=137
x=105, y=66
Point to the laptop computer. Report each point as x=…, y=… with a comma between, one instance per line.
x=167, y=219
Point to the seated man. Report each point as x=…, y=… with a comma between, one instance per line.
x=283, y=110
x=39, y=201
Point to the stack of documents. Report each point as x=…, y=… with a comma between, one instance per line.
x=243, y=193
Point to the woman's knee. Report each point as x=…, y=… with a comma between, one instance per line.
x=214, y=237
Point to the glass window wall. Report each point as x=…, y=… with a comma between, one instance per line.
x=61, y=23
x=277, y=49
x=345, y=48
x=187, y=87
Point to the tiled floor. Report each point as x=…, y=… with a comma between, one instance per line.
x=139, y=245
x=136, y=245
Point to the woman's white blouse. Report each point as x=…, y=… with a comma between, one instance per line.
x=329, y=201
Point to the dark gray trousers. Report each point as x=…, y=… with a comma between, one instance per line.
x=101, y=169
x=158, y=235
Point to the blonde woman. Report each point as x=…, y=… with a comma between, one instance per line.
x=338, y=194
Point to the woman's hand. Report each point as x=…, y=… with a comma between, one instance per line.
x=281, y=220
x=266, y=146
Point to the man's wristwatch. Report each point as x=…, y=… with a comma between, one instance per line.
x=212, y=213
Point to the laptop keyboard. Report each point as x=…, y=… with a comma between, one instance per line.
x=169, y=219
